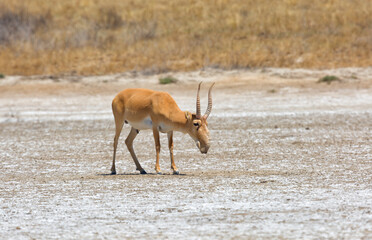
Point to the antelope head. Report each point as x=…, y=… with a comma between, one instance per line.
x=198, y=125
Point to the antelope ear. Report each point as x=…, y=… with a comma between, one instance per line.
x=188, y=115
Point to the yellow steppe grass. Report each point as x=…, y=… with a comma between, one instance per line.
x=93, y=37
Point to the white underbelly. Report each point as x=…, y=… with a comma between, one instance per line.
x=146, y=123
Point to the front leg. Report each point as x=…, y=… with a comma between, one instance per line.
x=157, y=147
x=170, y=145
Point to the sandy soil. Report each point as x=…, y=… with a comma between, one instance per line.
x=290, y=158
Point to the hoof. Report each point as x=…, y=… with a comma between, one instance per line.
x=159, y=173
x=176, y=173
x=143, y=172
x=113, y=173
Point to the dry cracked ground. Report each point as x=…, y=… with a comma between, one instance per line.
x=290, y=158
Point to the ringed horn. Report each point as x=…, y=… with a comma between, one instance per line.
x=209, y=108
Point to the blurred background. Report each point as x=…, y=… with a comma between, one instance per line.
x=91, y=37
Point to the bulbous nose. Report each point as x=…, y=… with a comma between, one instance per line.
x=204, y=150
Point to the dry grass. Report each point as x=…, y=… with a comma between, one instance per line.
x=100, y=37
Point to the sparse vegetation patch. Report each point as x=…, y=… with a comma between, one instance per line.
x=167, y=80
x=329, y=79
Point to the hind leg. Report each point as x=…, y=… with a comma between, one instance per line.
x=129, y=142
x=119, y=122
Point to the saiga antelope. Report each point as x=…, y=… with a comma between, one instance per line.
x=148, y=109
